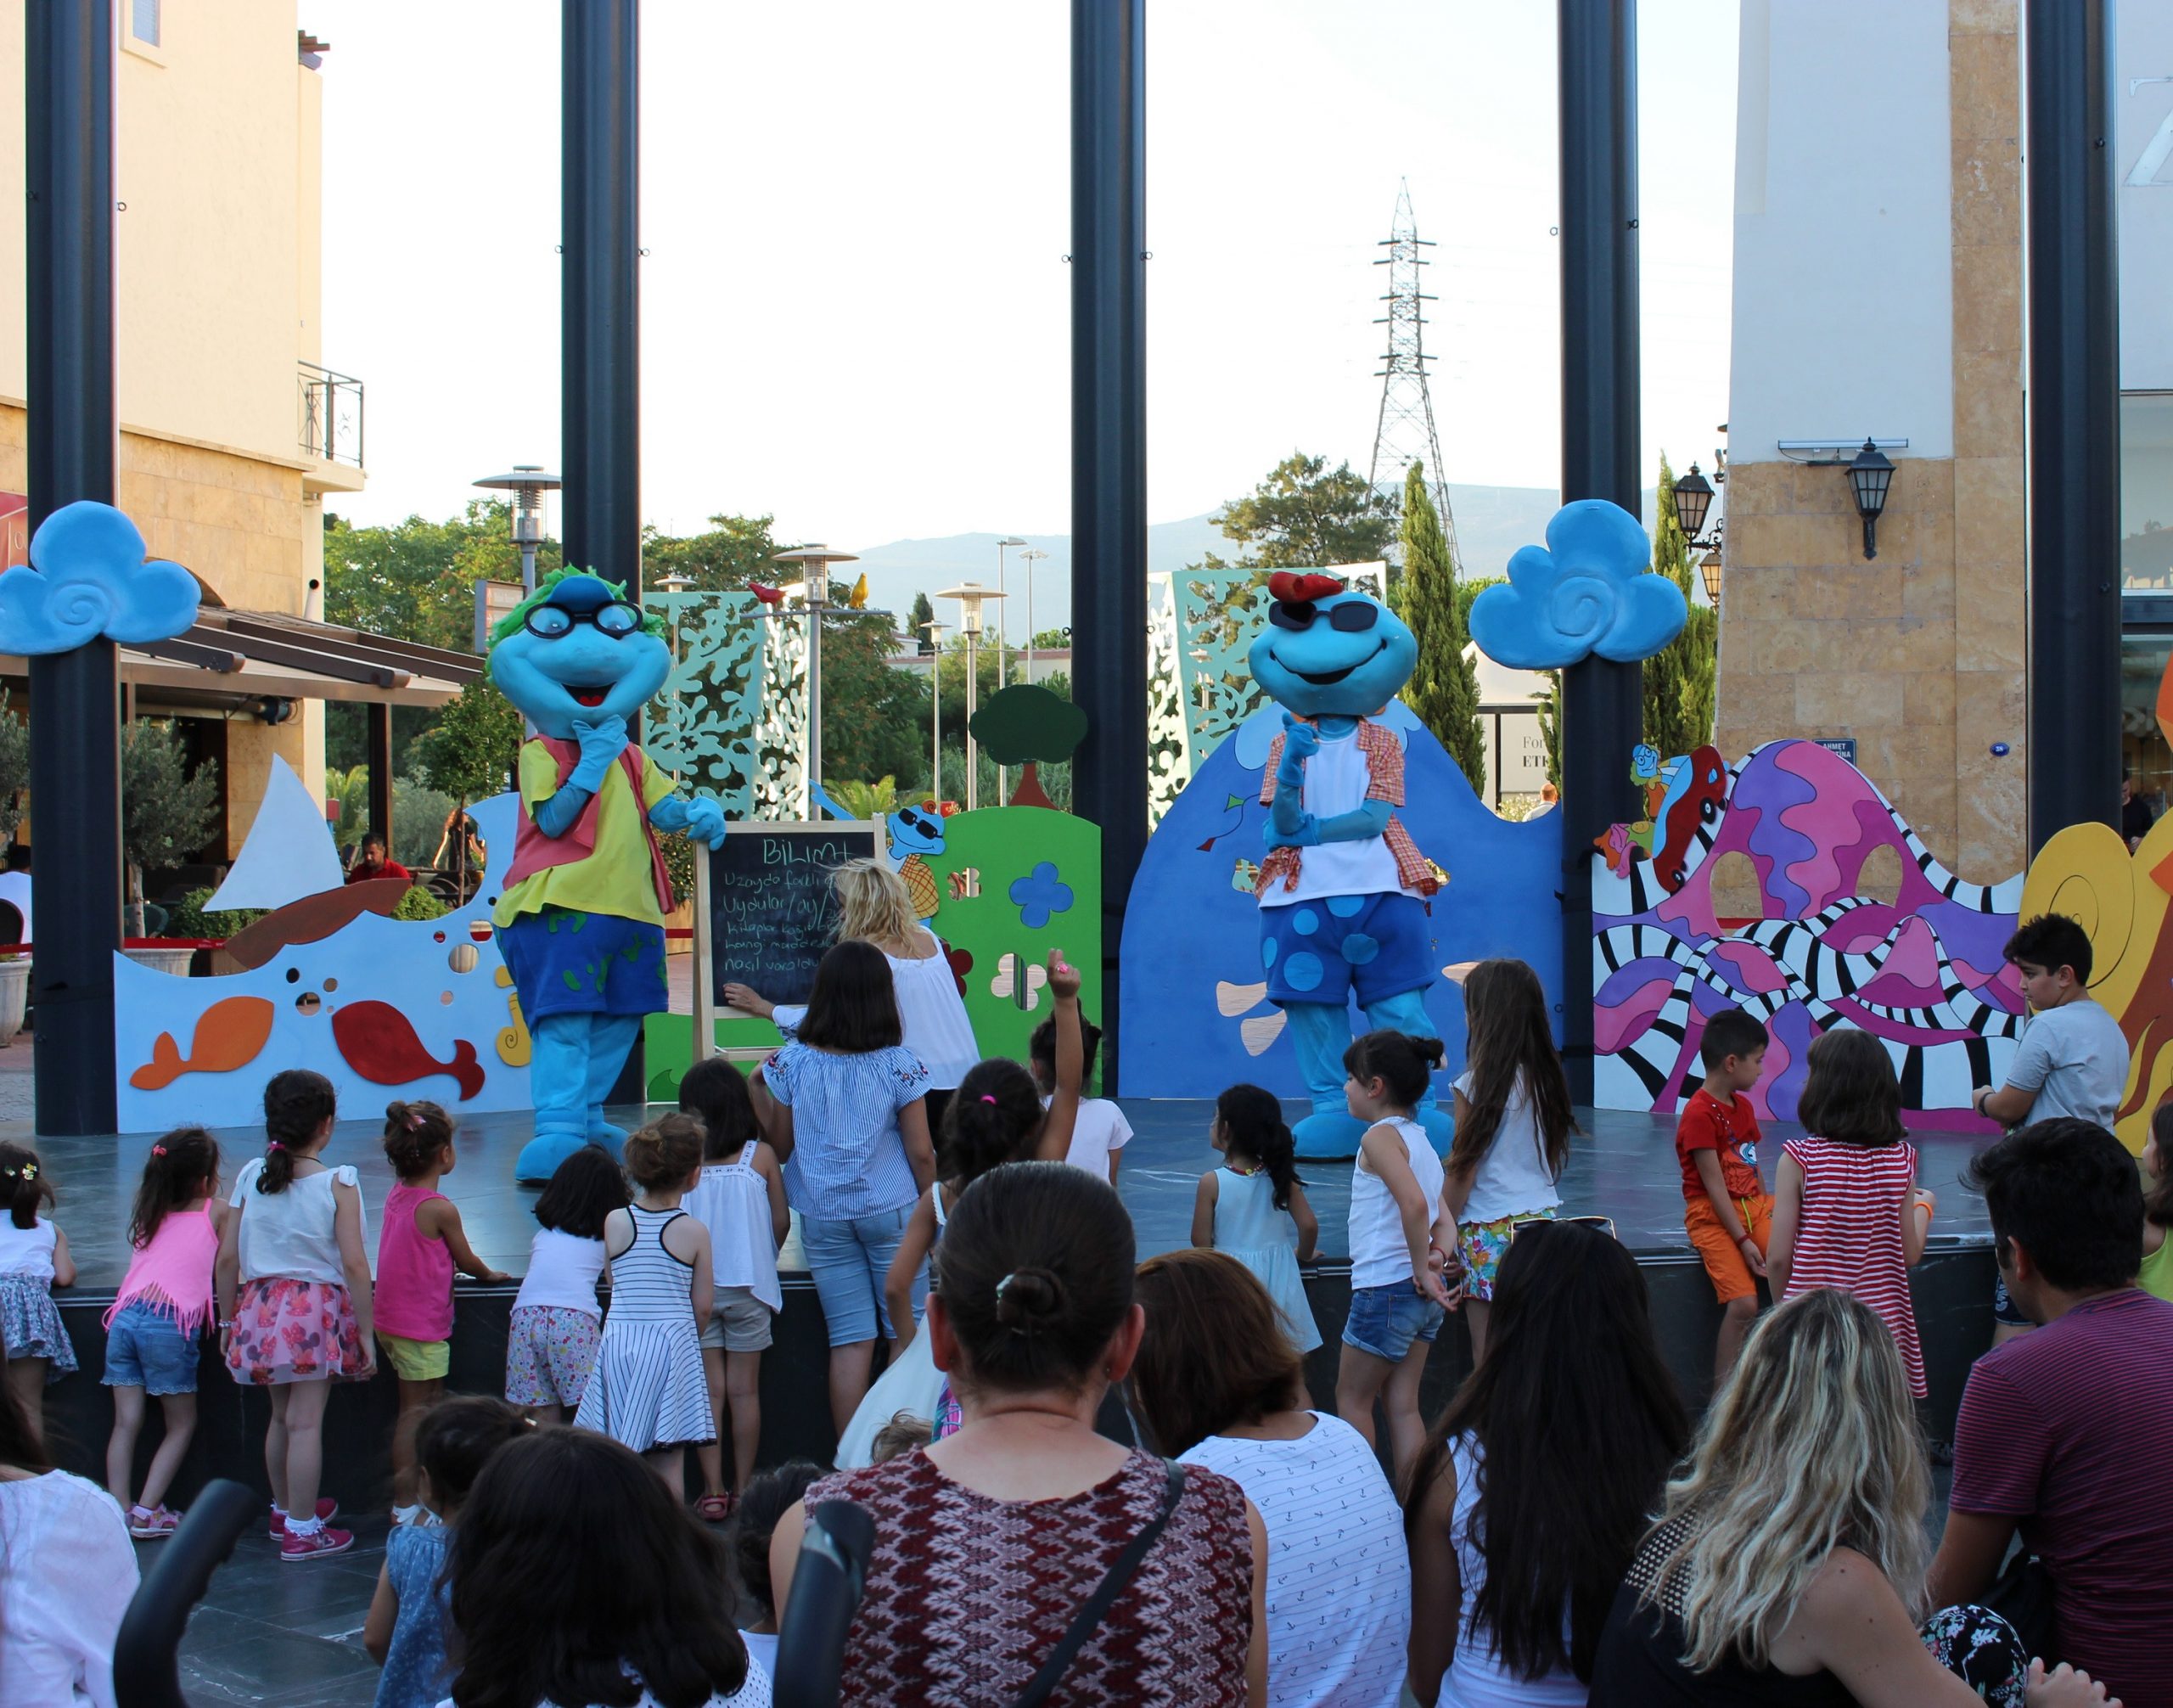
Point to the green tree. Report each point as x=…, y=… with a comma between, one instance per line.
x=168, y=814
x=1444, y=687
x=1678, y=708
x=732, y=552
x=1305, y=515
x=1550, y=725
x=874, y=716
x=416, y=580
x=15, y=770
x=917, y=624
x=471, y=754
x=1027, y=725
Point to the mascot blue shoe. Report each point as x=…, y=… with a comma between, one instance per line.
x=1343, y=889
x=581, y=919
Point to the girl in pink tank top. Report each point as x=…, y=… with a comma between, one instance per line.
x=152, y=1330
x=421, y=1245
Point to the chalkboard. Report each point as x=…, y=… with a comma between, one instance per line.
x=771, y=912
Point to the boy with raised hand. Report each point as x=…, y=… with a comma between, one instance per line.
x=2073, y=1059
x=1727, y=1212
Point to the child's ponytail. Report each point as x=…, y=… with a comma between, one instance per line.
x=181, y=1165
x=23, y=1184
x=296, y=1104
x=415, y=1135
x=992, y=1115
x=1251, y=1118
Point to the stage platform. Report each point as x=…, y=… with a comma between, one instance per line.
x=1622, y=1164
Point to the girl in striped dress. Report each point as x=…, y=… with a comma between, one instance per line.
x=1847, y=1211
x=648, y=1390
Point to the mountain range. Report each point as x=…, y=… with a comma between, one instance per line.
x=1492, y=523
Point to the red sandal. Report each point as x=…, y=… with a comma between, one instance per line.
x=714, y=1508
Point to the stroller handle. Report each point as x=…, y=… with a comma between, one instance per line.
x=143, y=1653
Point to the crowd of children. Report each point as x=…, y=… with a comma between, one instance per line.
x=683, y=1238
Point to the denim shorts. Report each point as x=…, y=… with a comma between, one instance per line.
x=850, y=1259
x=146, y=1350
x=1384, y=1321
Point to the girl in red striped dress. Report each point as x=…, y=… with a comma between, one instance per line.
x=1847, y=1210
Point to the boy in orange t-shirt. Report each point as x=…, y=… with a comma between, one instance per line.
x=1726, y=1209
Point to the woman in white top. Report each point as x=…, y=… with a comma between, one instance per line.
x=1531, y=1496
x=1513, y=1129
x=1216, y=1383
x=874, y=906
x=295, y=1301
x=67, y=1574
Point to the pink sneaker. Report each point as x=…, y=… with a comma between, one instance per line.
x=324, y=1540
x=152, y=1524
x=326, y=1508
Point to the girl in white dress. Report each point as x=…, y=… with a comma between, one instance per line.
x=648, y=1390
x=1254, y=1207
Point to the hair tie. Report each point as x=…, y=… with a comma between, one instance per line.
x=412, y=1121
x=275, y=1145
x=157, y=1150
x=1004, y=1283
x=29, y=1170
x=985, y=1097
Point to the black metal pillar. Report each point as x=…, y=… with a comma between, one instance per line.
x=1602, y=702
x=1109, y=455
x=2073, y=750
x=75, y=700
x=380, y=800
x=599, y=436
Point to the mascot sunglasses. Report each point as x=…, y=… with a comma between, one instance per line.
x=1351, y=619
x=617, y=620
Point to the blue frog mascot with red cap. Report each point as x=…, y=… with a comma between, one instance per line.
x=581, y=917
x=1343, y=890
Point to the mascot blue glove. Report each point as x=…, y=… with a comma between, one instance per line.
x=580, y=918
x=1343, y=889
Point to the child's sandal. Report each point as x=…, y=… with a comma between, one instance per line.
x=714, y=1508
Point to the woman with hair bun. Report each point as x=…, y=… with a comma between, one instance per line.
x=988, y=1544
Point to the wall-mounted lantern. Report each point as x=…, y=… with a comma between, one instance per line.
x=1869, y=476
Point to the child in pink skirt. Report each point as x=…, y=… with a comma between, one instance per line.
x=151, y=1332
x=421, y=1245
x=300, y=1320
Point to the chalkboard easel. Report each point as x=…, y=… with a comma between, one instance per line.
x=764, y=913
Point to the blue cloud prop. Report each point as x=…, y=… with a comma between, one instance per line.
x=88, y=578
x=1586, y=591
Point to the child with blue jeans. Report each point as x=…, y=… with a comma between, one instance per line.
x=1396, y=1301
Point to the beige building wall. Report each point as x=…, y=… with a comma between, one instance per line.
x=218, y=287
x=1917, y=655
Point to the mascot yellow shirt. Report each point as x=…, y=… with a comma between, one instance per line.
x=617, y=877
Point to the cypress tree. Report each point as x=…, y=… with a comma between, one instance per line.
x=1678, y=710
x=1443, y=691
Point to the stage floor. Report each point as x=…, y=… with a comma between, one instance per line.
x=1622, y=1164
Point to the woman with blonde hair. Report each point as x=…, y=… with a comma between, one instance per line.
x=874, y=906
x=1787, y=1564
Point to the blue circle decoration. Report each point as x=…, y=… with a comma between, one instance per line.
x=1304, y=922
x=1999, y=750
x=1267, y=952
x=1358, y=948
x=1303, y=971
x=1347, y=906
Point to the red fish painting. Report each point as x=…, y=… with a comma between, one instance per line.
x=376, y=1040
x=229, y=1034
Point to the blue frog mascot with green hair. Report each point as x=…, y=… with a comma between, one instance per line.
x=1342, y=889
x=580, y=916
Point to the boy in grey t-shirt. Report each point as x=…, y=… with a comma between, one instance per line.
x=2073, y=1059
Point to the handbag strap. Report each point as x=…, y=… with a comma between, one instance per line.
x=1097, y=1604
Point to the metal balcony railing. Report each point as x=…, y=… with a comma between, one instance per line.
x=331, y=414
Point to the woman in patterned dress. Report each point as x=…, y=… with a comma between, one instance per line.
x=988, y=1542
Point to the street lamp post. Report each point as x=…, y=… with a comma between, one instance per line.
x=971, y=597
x=1031, y=556
x=936, y=701
x=1002, y=637
x=815, y=560
x=528, y=483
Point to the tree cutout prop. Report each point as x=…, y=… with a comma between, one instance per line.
x=1027, y=726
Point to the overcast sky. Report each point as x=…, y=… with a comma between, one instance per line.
x=855, y=308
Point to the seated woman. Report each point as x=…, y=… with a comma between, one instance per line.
x=1536, y=1484
x=1217, y=1384
x=990, y=1543
x=1787, y=1565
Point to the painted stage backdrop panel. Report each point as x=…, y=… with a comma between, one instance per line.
x=1195, y=1014
x=384, y=1007
x=1924, y=975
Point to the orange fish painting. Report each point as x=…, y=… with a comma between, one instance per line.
x=229, y=1034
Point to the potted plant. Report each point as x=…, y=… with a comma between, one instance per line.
x=166, y=813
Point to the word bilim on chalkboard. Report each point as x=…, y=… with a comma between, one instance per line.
x=771, y=914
